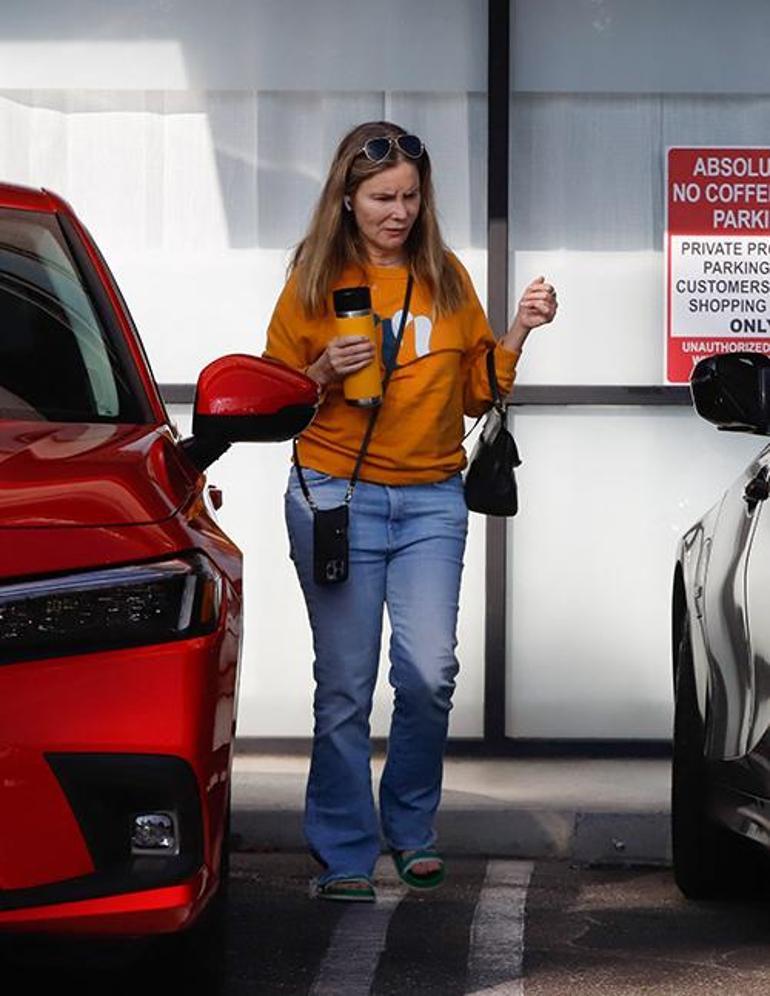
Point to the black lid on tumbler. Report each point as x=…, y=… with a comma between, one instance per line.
x=348, y=299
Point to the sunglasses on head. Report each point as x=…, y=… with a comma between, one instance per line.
x=378, y=149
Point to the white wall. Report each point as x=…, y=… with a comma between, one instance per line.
x=605, y=495
x=433, y=45
x=600, y=89
x=619, y=46
x=195, y=199
x=192, y=140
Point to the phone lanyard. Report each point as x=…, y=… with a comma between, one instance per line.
x=372, y=416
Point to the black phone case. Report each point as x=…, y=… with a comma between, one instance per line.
x=330, y=545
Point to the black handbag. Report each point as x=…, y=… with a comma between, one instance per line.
x=490, y=481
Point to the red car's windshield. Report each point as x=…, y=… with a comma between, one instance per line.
x=59, y=361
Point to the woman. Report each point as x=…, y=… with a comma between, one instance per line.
x=375, y=224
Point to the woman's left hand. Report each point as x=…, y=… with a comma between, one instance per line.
x=537, y=306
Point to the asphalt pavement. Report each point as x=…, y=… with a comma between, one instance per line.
x=497, y=927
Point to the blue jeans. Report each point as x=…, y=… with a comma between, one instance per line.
x=406, y=552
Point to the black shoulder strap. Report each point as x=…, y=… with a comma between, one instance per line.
x=372, y=415
x=494, y=387
x=492, y=374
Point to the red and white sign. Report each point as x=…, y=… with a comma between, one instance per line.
x=717, y=255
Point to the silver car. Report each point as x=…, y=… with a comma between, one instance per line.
x=721, y=650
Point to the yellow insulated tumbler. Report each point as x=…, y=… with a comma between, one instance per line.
x=353, y=310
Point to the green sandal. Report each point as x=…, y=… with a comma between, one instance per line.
x=354, y=889
x=406, y=860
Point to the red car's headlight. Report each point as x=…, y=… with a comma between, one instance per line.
x=114, y=607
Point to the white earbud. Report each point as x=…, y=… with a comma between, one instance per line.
x=346, y=203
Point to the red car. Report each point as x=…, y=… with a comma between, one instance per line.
x=120, y=597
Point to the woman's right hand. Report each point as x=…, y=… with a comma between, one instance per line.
x=345, y=354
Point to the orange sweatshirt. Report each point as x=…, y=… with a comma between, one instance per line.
x=440, y=376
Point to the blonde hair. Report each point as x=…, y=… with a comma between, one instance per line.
x=333, y=241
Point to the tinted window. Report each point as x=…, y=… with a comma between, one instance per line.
x=57, y=360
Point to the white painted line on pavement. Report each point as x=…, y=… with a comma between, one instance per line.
x=354, y=951
x=496, y=951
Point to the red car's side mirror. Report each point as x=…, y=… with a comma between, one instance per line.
x=241, y=398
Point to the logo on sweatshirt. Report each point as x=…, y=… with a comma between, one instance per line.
x=417, y=330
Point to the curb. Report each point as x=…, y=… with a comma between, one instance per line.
x=585, y=838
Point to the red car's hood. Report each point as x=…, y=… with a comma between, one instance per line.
x=57, y=474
